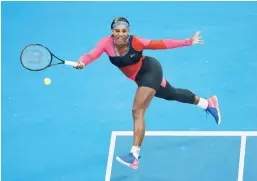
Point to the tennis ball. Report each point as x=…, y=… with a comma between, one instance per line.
x=47, y=81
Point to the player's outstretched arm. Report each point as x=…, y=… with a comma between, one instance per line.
x=91, y=56
x=169, y=43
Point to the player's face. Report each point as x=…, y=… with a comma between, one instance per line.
x=120, y=33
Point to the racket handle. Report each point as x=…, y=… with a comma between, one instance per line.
x=74, y=64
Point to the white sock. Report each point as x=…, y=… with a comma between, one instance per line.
x=135, y=151
x=203, y=103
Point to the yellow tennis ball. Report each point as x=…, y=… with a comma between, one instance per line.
x=47, y=81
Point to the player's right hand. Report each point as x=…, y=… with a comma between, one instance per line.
x=80, y=65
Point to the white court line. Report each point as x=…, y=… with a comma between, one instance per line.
x=241, y=159
x=242, y=134
x=110, y=157
x=190, y=133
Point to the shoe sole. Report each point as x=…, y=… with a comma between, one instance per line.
x=216, y=98
x=124, y=163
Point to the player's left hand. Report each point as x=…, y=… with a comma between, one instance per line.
x=196, y=39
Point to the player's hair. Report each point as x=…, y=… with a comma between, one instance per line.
x=119, y=19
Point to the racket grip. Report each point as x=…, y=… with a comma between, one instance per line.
x=74, y=64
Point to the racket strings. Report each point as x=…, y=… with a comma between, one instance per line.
x=36, y=57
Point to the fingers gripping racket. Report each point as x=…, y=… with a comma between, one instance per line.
x=36, y=57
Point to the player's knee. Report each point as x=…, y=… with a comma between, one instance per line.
x=137, y=113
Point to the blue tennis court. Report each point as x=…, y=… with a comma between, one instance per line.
x=68, y=130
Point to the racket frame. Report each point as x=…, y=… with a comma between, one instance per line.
x=50, y=62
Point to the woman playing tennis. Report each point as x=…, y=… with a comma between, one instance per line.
x=125, y=51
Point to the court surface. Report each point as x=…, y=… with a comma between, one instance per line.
x=73, y=129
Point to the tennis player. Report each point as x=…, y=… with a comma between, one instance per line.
x=125, y=51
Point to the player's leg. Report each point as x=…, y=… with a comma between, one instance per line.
x=142, y=100
x=148, y=81
x=186, y=96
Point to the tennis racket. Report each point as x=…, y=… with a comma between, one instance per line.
x=36, y=57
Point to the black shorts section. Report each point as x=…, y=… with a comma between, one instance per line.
x=151, y=74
